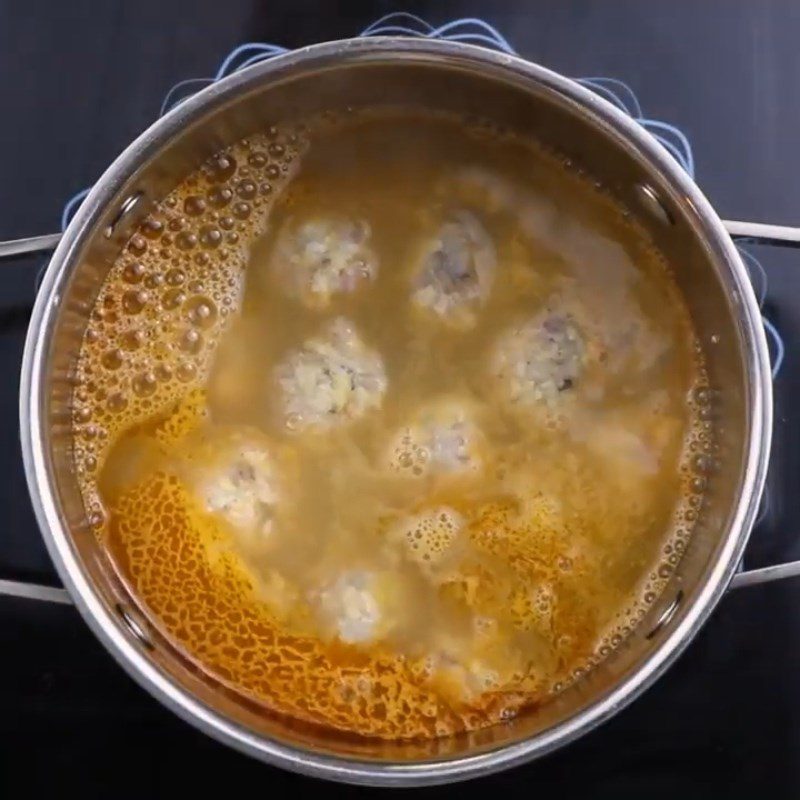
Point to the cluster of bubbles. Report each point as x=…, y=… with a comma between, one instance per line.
x=234, y=642
x=428, y=536
x=168, y=296
x=208, y=608
x=443, y=439
x=698, y=462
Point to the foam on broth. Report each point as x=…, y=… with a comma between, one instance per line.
x=404, y=502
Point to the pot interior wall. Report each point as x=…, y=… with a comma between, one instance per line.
x=534, y=108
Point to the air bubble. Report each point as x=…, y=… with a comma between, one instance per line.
x=112, y=359
x=273, y=172
x=257, y=160
x=175, y=277
x=186, y=372
x=221, y=168
x=137, y=245
x=144, y=384
x=241, y=209
x=117, y=402
x=186, y=240
x=293, y=421
x=246, y=189
x=698, y=484
x=133, y=273
x=191, y=341
x=210, y=236
x=702, y=395
x=220, y=196
x=152, y=228
x=96, y=519
x=132, y=340
x=134, y=301
x=173, y=298
x=194, y=206
x=201, y=311
x=227, y=223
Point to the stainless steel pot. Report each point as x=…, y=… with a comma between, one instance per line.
x=523, y=96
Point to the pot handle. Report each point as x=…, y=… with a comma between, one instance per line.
x=775, y=572
x=33, y=244
x=23, y=589
x=34, y=591
x=759, y=233
x=753, y=232
x=780, y=236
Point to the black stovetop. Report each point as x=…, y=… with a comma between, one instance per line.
x=78, y=80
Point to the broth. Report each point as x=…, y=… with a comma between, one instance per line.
x=386, y=419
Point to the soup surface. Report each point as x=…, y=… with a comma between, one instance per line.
x=386, y=419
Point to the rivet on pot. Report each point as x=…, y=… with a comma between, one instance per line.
x=128, y=204
x=666, y=615
x=652, y=203
x=134, y=625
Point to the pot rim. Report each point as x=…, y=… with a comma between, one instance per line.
x=34, y=432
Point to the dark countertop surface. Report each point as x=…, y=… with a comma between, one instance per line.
x=79, y=80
